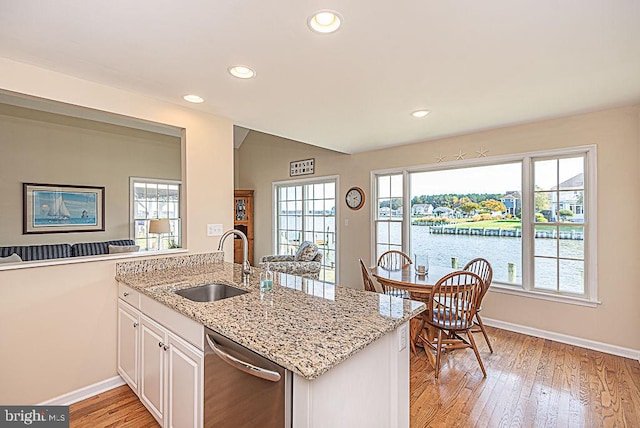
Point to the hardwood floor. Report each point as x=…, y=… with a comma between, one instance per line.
x=118, y=407
x=531, y=382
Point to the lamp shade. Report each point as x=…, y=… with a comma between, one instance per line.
x=159, y=226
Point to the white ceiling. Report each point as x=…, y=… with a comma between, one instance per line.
x=474, y=64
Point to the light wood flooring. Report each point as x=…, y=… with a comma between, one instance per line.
x=531, y=382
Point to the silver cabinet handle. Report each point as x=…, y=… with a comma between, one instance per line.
x=125, y=294
x=242, y=365
x=165, y=347
x=160, y=344
x=135, y=324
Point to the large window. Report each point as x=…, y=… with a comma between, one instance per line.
x=155, y=199
x=530, y=215
x=389, y=214
x=306, y=211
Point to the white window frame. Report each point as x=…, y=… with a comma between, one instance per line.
x=302, y=182
x=132, y=218
x=590, y=297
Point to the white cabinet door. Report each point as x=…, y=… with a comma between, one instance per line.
x=184, y=378
x=152, y=367
x=128, y=340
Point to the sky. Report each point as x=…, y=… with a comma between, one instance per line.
x=493, y=178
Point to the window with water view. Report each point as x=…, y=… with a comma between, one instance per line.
x=527, y=217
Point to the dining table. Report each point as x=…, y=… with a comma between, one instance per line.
x=407, y=282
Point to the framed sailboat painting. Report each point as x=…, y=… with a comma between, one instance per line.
x=59, y=208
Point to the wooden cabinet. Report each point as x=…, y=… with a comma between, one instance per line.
x=243, y=221
x=164, y=370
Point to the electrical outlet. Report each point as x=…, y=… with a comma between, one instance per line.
x=402, y=337
x=214, y=230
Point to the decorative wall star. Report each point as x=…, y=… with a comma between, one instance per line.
x=460, y=155
x=482, y=153
x=440, y=158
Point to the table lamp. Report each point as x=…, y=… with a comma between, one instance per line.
x=159, y=226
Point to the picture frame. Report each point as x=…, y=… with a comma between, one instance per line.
x=61, y=208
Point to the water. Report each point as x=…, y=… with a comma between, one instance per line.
x=500, y=251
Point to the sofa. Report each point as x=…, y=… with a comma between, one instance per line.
x=29, y=253
x=306, y=262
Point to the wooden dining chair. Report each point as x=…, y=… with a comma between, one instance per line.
x=394, y=260
x=369, y=283
x=482, y=268
x=452, y=306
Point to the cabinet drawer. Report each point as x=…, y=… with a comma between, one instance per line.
x=129, y=295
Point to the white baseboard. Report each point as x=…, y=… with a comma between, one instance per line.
x=85, y=392
x=563, y=338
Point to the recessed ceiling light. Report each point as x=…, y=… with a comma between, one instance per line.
x=193, y=98
x=419, y=113
x=325, y=21
x=242, y=72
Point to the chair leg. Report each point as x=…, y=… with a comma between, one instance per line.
x=438, y=352
x=475, y=350
x=484, y=332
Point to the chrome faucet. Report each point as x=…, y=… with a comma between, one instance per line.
x=246, y=267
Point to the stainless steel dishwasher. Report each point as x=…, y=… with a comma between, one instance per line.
x=242, y=388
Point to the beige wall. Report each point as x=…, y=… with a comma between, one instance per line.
x=40, y=147
x=263, y=159
x=58, y=323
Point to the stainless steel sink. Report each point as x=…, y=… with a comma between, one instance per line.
x=210, y=292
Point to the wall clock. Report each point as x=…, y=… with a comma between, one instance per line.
x=354, y=198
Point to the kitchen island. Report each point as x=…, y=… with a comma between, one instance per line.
x=347, y=350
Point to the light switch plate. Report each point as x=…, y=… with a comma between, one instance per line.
x=214, y=230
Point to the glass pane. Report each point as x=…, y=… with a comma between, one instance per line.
x=291, y=193
x=330, y=190
x=318, y=191
x=545, y=242
x=384, y=187
x=379, y=250
x=383, y=232
x=546, y=274
x=571, y=173
x=308, y=192
x=570, y=207
x=395, y=233
x=546, y=174
x=572, y=242
x=396, y=186
x=384, y=210
x=543, y=206
x=572, y=276
x=282, y=193
x=308, y=223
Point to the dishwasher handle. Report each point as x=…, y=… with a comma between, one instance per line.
x=242, y=365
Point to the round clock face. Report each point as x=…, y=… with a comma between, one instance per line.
x=355, y=198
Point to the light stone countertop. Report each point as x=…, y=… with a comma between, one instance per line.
x=303, y=325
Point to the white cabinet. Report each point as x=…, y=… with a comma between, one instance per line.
x=152, y=367
x=184, y=384
x=165, y=371
x=128, y=344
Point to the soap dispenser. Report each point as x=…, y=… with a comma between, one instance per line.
x=266, y=280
